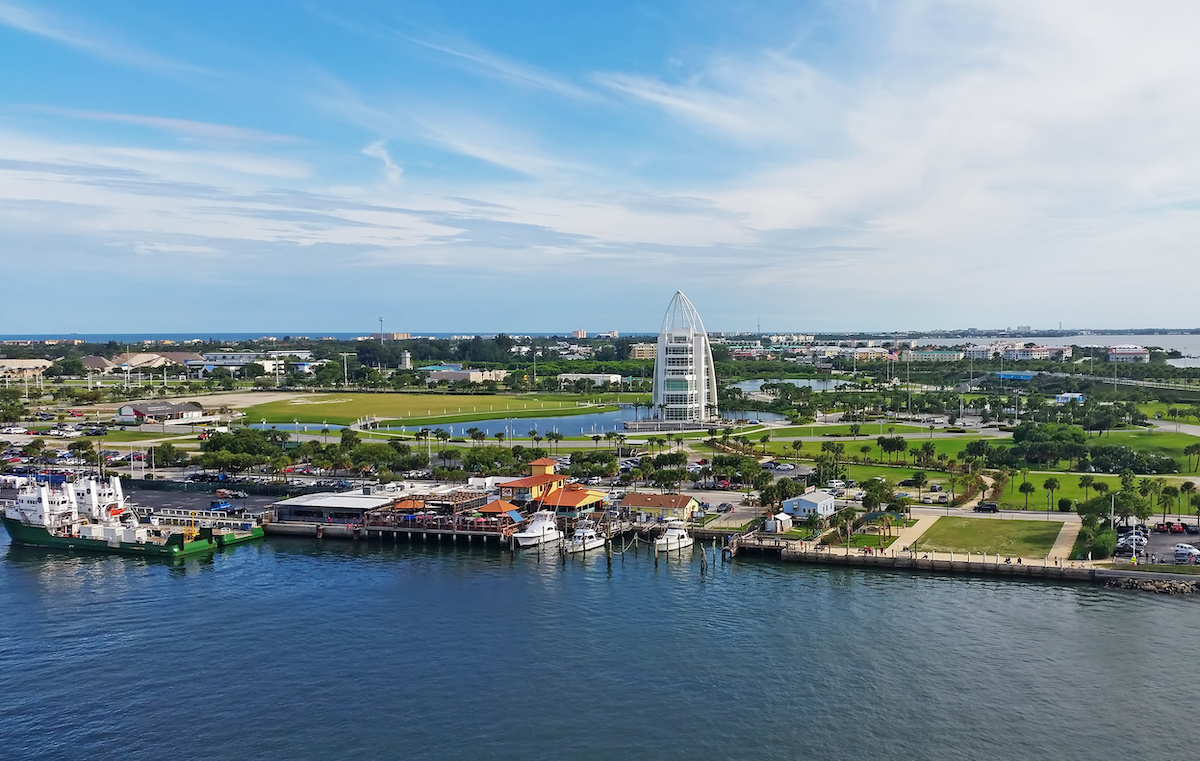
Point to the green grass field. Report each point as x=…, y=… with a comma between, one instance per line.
x=952, y=448
x=978, y=535
x=1153, y=442
x=416, y=409
x=869, y=431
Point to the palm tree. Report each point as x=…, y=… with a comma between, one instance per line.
x=766, y=437
x=1027, y=488
x=1051, y=485
x=953, y=482
x=855, y=429
x=1188, y=490
x=797, y=445
x=596, y=440
x=866, y=450
x=919, y=480
x=499, y=437
x=1085, y=483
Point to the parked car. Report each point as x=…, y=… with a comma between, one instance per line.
x=907, y=482
x=927, y=499
x=943, y=498
x=1162, y=528
x=1192, y=529
x=935, y=487
x=1177, y=528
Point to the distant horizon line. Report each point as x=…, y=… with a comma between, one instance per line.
x=249, y=335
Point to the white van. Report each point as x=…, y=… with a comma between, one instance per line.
x=837, y=484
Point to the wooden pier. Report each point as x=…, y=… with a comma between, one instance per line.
x=437, y=531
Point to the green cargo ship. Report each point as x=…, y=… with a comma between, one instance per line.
x=150, y=544
x=90, y=516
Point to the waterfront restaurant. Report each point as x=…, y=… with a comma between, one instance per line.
x=541, y=482
x=331, y=507
x=573, y=501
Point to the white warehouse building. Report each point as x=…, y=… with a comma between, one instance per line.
x=819, y=503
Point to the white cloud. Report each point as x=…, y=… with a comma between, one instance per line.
x=378, y=150
x=183, y=127
x=498, y=67
x=92, y=42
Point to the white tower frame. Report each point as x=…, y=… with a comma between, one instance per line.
x=685, y=381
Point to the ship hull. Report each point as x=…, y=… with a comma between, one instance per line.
x=230, y=538
x=37, y=536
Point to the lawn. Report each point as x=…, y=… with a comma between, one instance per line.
x=1152, y=442
x=416, y=409
x=981, y=535
x=870, y=431
x=1069, y=482
x=858, y=541
x=952, y=448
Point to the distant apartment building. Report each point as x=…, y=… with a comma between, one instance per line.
x=406, y=360
x=1128, y=353
x=579, y=334
x=456, y=373
x=931, y=355
x=391, y=336
x=642, y=351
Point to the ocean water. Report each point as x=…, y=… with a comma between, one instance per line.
x=298, y=649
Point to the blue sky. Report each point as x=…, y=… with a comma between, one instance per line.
x=483, y=166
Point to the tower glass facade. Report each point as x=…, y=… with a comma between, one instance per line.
x=685, y=383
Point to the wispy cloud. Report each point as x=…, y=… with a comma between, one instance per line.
x=188, y=128
x=495, y=66
x=378, y=150
x=90, y=41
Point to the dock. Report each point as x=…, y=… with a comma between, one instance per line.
x=457, y=530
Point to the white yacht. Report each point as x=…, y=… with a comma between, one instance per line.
x=542, y=529
x=676, y=537
x=585, y=538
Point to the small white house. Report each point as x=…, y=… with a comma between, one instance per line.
x=819, y=503
x=779, y=523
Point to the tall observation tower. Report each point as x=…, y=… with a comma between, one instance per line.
x=685, y=383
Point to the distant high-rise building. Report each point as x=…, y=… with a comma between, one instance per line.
x=405, y=360
x=642, y=351
x=685, y=382
x=579, y=334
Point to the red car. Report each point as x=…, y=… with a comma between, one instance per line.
x=1162, y=528
x=1176, y=528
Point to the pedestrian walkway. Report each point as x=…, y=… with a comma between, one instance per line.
x=1066, y=540
x=910, y=535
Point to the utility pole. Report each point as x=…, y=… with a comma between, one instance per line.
x=345, y=370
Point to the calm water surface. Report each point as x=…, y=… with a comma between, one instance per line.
x=292, y=649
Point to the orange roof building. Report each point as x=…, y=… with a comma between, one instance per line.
x=531, y=488
x=573, y=500
x=543, y=466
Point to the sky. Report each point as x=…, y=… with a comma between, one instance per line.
x=305, y=166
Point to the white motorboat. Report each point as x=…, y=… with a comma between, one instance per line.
x=542, y=529
x=585, y=538
x=676, y=537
